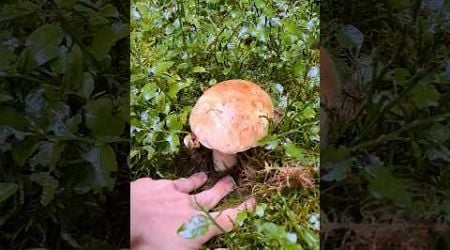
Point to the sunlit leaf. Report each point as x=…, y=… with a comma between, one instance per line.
x=161, y=68
x=198, y=69
x=44, y=42
x=293, y=151
x=197, y=226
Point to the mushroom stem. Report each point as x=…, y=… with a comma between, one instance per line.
x=223, y=161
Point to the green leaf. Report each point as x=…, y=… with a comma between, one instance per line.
x=349, y=36
x=308, y=237
x=337, y=171
x=270, y=142
x=260, y=209
x=212, y=82
x=161, y=68
x=336, y=162
x=6, y=57
x=103, y=161
x=106, y=37
x=44, y=42
x=439, y=132
x=7, y=190
x=198, y=69
x=58, y=112
x=49, y=185
x=59, y=65
x=150, y=152
x=439, y=152
x=100, y=119
x=26, y=62
x=73, y=75
x=65, y=4
x=108, y=10
x=10, y=117
x=308, y=113
x=425, y=95
x=385, y=185
x=81, y=175
x=48, y=155
x=197, y=226
x=260, y=4
x=293, y=151
x=241, y=217
x=73, y=123
x=173, y=123
x=401, y=75
x=293, y=247
x=149, y=91
x=291, y=27
x=275, y=232
x=17, y=9
x=23, y=150
x=174, y=142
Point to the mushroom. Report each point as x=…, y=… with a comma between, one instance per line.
x=231, y=117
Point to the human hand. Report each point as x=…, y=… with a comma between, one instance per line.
x=160, y=207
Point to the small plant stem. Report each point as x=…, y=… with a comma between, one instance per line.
x=410, y=85
x=394, y=135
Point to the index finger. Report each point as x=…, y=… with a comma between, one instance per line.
x=187, y=185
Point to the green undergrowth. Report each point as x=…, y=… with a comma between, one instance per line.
x=389, y=135
x=64, y=74
x=179, y=49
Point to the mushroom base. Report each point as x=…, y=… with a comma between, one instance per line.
x=223, y=162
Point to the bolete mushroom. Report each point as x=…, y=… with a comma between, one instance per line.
x=231, y=117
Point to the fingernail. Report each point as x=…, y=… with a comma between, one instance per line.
x=229, y=180
x=201, y=175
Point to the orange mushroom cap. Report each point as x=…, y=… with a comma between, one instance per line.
x=231, y=116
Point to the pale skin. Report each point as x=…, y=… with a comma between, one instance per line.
x=159, y=207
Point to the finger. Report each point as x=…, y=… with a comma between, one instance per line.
x=227, y=218
x=187, y=185
x=211, y=197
